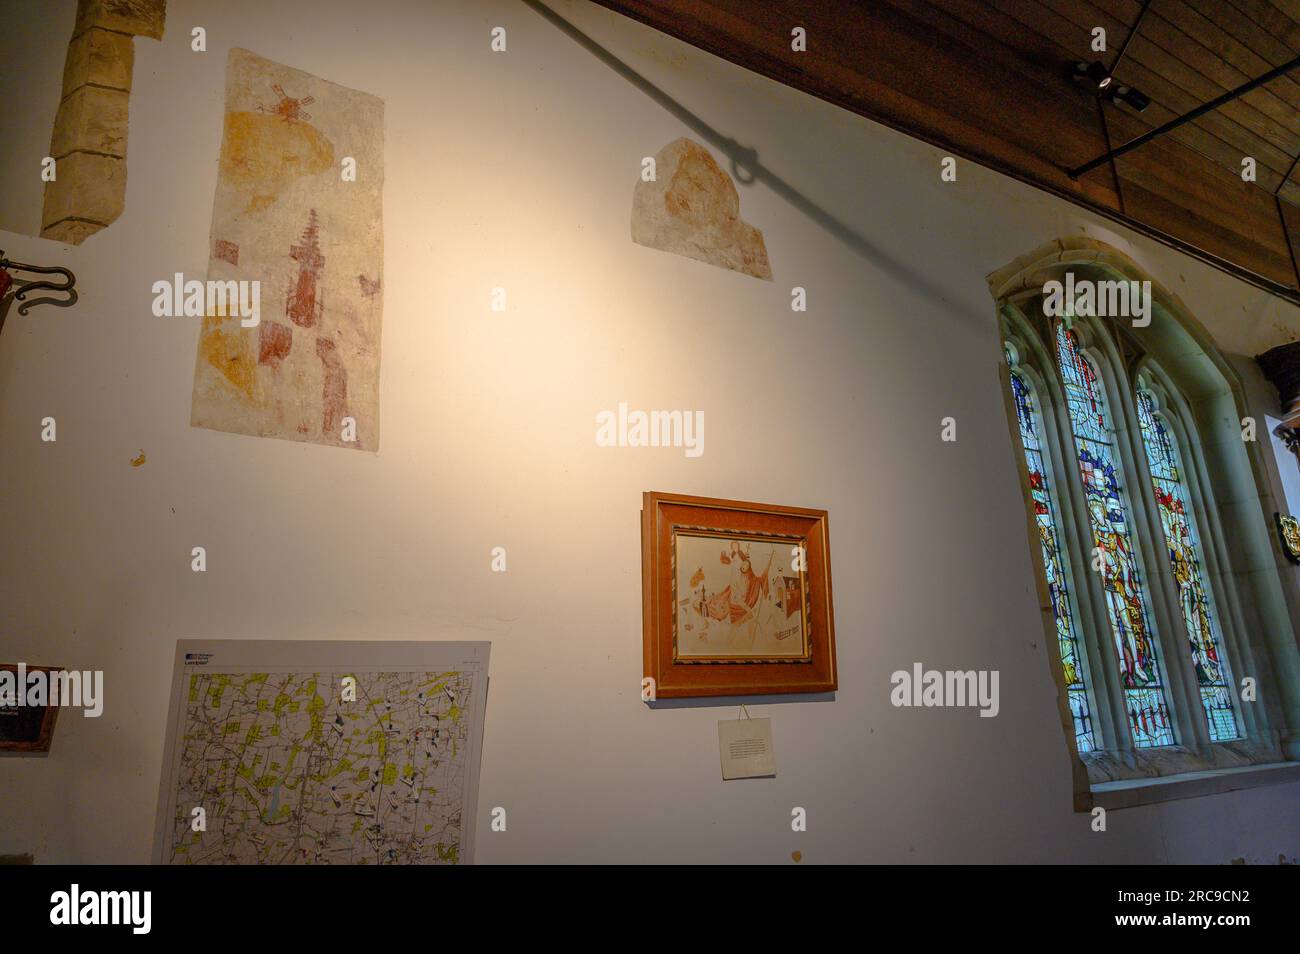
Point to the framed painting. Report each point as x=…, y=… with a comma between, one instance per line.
x=25, y=729
x=736, y=597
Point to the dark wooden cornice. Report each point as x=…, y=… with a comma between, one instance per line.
x=1281, y=365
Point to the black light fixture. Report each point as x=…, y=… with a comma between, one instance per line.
x=1093, y=74
x=1137, y=99
x=1096, y=77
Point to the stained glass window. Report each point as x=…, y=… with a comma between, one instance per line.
x=1049, y=541
x=1185, y=558
x=1126, y=597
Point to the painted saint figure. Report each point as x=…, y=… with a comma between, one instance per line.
x=736, y=606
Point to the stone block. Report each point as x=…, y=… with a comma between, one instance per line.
x=91, y=120
x=136, y=17
x=100, y=58
x=88, y=188
x=70, y=231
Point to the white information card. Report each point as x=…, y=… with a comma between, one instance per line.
x=746, y=748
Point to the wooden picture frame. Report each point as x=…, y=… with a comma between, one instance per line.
x=736, y=597
x=27, y=730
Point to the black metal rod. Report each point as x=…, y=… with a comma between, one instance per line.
x=1186, y=117
x=1286, y=236
x=1114, y=172
x=1131, y=33
x=1278, y=190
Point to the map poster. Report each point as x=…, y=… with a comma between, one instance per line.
x=298, y=753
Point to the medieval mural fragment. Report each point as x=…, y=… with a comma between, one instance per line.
x=288, y=214
x=692, y=208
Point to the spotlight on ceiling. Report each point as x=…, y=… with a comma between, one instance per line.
x=1093, y=74
x=1137, y=99
x=1096, y=77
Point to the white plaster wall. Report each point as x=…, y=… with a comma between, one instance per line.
x=32, y=50
x=517, y=170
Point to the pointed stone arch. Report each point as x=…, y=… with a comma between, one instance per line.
x=1230, y=482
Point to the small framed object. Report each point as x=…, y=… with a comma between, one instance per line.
x=25, y=728
x=736, y=597
x=1288, y=529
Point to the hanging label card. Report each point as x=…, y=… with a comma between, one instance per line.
x=746, y=748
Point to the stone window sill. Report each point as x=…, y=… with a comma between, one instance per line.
x=1130, y=793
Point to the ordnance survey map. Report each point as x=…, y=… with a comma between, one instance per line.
x=322, y=753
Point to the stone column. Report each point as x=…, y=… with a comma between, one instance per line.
x=90, y=129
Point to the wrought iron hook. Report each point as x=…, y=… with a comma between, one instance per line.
x=26, y=287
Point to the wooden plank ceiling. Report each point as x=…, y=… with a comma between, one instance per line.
x=990, y=80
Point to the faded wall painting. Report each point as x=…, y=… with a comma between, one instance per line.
x=287, y=215
x=692, y=208
x=738, y=597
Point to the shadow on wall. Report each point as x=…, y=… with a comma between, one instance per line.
x=747, y=169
